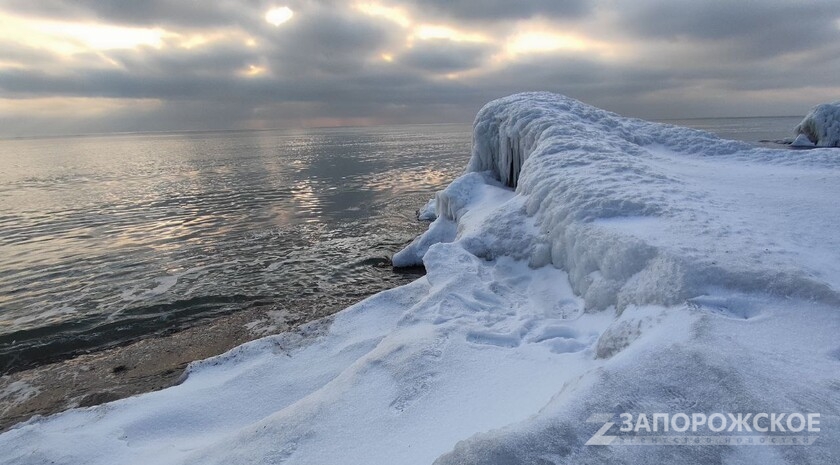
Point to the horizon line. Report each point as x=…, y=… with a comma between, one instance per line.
x=307, y=128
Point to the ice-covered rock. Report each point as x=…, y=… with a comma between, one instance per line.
x=623, y=205
x=450, y=204
x=822, y=125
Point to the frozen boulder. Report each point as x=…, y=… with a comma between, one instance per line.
x=821, y=125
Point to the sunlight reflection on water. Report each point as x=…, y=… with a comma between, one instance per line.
x=104, y=239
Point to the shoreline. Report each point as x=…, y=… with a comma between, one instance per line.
x=146, y=365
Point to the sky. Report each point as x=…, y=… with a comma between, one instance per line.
x=89, y=66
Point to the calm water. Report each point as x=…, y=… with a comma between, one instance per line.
x=107, y=239
x=747, y=129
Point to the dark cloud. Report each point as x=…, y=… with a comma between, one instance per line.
x=444, y=56
x=215, y=60
x=503, y=10
x=748, y=29
x=27, y=56
x=111, y=84
x=326, y=40
x=192, y=13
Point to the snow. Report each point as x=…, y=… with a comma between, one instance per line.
x=821, y=125
x=584, y=263
x=802, y=140
x=473, y=195
x=428, y=212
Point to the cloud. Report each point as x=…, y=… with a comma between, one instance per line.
x=325, y=40
x=223, y=65
x=444, y=56
x=745, y=29
x=180, y=13
x=505, y=10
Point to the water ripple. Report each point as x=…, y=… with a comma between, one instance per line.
x=110, y=239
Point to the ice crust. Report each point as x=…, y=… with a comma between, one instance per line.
x=715, y=265
x=822, y=125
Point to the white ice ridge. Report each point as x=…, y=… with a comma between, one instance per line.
x=638, y=212
x=717, y=264
x=822, y=125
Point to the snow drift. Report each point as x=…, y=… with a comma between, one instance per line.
x=821, y=125
x=585, y=264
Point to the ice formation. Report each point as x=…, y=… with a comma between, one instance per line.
x=822, y=125
x=585, y=265
x=637, y=212
x=428, y=212
x=802, y=141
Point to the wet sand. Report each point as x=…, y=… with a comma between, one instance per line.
x=143, y=366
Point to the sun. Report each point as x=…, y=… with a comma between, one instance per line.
x=279, y=15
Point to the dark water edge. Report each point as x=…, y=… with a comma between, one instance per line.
x=30, y=348
x=149, y=364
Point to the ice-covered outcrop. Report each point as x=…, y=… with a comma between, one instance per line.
x=638, y=212
x=461, y=197
x=822, y=125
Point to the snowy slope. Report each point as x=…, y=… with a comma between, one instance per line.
x=584, y=264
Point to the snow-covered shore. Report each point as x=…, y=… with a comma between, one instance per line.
x=586, y=265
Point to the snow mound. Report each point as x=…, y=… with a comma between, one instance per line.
x=802, y=141
x=718, y=265
x=822, y=125
x=642, y=213
x=428, y=212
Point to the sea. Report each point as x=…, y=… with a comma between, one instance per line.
x=107, y=239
